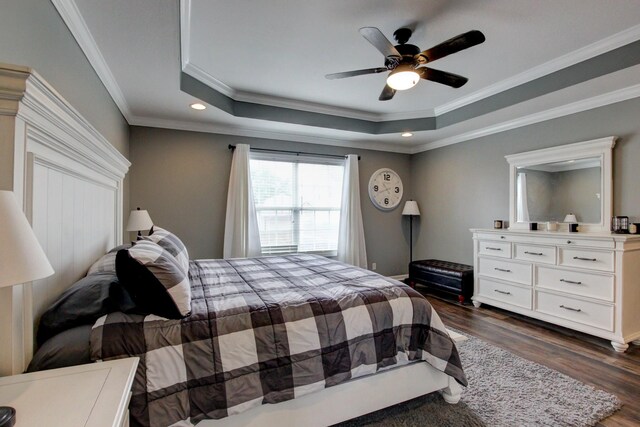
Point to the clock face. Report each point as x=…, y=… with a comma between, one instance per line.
x=385, y=189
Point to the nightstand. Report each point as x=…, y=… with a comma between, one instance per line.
x=92, y=395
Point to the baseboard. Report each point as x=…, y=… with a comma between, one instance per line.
x=399, y=277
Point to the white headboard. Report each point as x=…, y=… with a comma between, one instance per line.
x=69, y=179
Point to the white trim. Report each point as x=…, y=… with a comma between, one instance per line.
x=71, y=16
x=185, y=32
x=400, y=277
x=43, y=106
x=553, y=113
x=267, y=134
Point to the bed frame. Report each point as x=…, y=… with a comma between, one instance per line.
x=69, y=179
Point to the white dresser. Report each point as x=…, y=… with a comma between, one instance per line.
x=92, y=395
x=589, y=282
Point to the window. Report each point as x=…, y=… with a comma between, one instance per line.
x=297, y=202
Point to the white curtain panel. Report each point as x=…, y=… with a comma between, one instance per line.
x=241, y=235
x=522, y=212
x=351, y=246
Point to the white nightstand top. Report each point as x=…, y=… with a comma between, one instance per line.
x=92, y=395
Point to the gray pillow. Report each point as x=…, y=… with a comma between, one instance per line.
x=83, y=303
x=68, y=348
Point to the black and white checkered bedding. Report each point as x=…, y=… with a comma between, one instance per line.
x=266, y=330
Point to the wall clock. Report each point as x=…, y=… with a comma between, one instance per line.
x=385, y=189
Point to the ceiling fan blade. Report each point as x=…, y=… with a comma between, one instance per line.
x=380, y=42
x=453, y=45
x=387, y=93
x=355, y=73
x=443, y=77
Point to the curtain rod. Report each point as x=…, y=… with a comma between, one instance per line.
x=297, y=153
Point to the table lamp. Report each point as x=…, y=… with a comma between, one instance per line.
x=411, y=209
x=139, y=220
x=22, y=259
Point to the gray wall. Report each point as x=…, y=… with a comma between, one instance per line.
x=181, y=178
x=33, y=34
x=466, y=185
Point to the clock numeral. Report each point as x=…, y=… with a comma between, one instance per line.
x=375, y=188
x=397, y=190
x=386, y=200
x=387, y=177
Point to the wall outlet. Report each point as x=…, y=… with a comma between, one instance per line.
x=374, y=266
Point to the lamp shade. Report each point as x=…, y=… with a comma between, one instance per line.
x=21, y=256
x=411, y=208
x=570, y=218
x=139, y=220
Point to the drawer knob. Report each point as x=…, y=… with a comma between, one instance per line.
x=502, y=237
x=585, y=259
x=493, y=249
x=533, y=253
x=569, y=242
x=570, y=281
x=502, y=292
x=570, y=308
x=502, y=269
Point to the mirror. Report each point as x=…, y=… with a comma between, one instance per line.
x=546, y=185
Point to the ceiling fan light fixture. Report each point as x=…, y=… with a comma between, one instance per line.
x=403, y=77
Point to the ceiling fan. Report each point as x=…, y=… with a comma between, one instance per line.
x=404, y=60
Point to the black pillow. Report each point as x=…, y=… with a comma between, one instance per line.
x=68, y=348
x=83, y=303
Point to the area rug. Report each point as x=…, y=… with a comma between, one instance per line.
x=504, y=390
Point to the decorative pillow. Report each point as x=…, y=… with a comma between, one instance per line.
x=107, y=262
x=68, y=348
x=155, y=279
x=83, y=303
x=171, y=243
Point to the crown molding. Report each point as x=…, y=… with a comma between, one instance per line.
x=68, y=131
x=550, y=114
x=71, y=16
x=266, y=134
x=598, y=48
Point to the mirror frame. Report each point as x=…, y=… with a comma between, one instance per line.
x=601, y=148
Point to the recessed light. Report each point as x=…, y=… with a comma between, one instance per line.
x=198, y=106
x=407, y=134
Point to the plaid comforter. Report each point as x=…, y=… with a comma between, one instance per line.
x=265, y=330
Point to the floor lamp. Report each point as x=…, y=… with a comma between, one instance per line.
x=22, y=259
x=411, y=209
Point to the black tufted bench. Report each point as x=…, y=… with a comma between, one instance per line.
x=444, y=276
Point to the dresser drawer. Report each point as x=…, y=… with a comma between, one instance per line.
x=591, y=285
x=495, y=248
x=584, y=312
x=585, y=258
x=542, y=254
x=506, y=270
x=591, y=243
x=510, y=294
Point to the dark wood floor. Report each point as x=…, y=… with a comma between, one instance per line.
x=583, y=357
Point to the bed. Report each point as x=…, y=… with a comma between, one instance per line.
x=65, y=171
